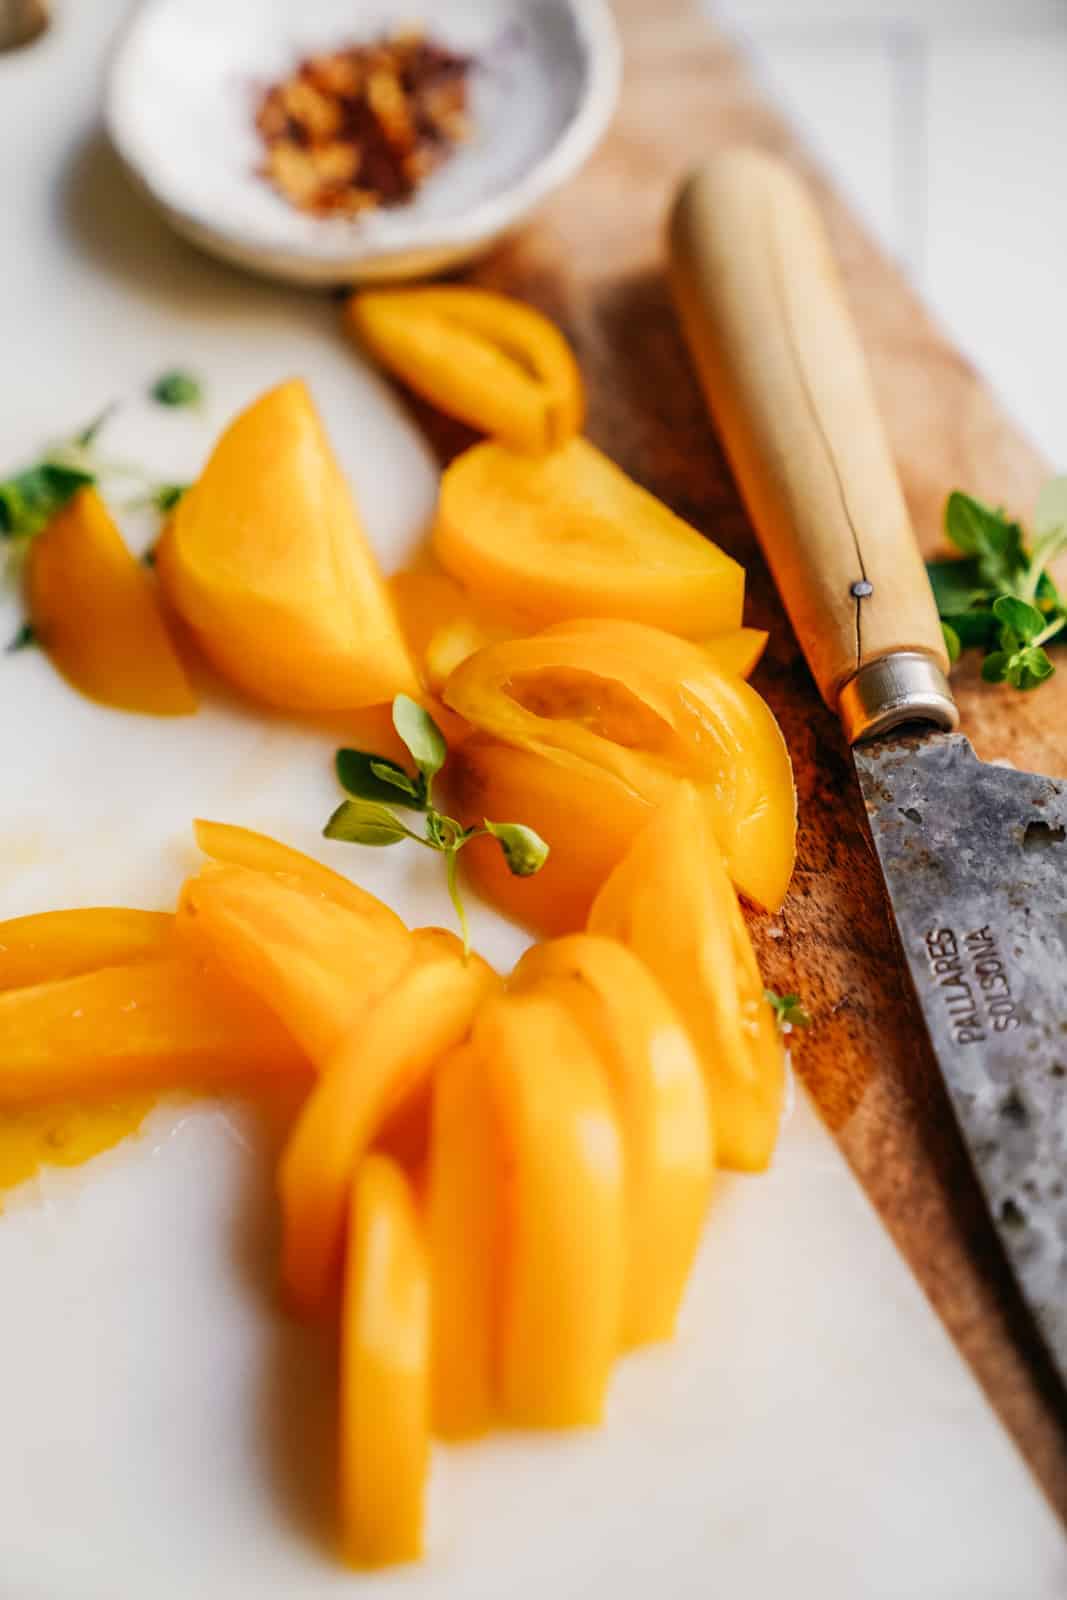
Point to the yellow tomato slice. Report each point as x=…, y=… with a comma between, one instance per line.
x=663, y=1111
x=266, y=560
x=96, y=611
x=586, y=816
x=570, y=535
x=378, y=1064
x=648, y=709
x=62, y=944
x=491, y=361
x=671, y=902
x=243, y=847
x=385, y=1371
x=462, y=1227
x=317, y=961
x=739, y=652
x=563, y=1250
x=171, y=1024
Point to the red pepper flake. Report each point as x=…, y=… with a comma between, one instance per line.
x=364, y=126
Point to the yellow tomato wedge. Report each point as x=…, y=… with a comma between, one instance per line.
x=96, y=611
x=267, y=562
x=663, y=1112
x=382, y=1058
x=570, y=535
x=490, y=361
x=739, y=651
x=315, y=961
x=462, y=1228
x=648, y=709
x=242, y=847
x=61, y=944
x=564, y=1213
x=585, y=815
x=172, y=1024
x=671, y=902
x=385, y=1371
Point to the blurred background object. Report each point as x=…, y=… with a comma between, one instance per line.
x=21, y=21
x=945, y=122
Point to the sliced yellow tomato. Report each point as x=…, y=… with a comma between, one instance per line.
x=61, y=944
x=385, y=1371
x=585, y=815
x=490, y=361
x=570, y=535
x=96, y=611
x=267, y=562
x=648, y=709
x=174, y=1024
x=663, y=1111
x=739, y=652
x=316, y=961
x=671, y=902
x=242, y=847
x=462, y=1228
x=564, y=1212
x=380, y=1060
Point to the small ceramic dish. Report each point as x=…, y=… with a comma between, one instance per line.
x=187, y=76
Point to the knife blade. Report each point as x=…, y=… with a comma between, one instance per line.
x=974, y=856
x=974, y=859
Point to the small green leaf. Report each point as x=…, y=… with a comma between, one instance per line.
x=396, y=778
x=148, y=559
x=177, y=389
x=30, y=499
x=364, y=776
x=972, y=527
x=789, y=1011
x=1029, y=667
x=995, y=666
x=952, y=642
x=166, y=497
x=421, y=734
x=524, y=850
x=365, y=822
x=23, y=639
x=957, y=585
x=91, y=431
x=1024, y=620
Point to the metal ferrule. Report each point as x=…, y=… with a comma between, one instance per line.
x=907, y=686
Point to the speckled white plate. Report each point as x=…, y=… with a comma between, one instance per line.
x=185, y=81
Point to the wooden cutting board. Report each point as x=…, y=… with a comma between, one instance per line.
x=595, y=262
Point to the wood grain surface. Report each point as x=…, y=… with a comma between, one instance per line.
x=595, y=261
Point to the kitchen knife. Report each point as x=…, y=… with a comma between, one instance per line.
x=974, y=856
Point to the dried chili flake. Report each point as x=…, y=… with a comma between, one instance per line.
x=364, y=126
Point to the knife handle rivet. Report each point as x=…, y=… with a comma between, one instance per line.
x=861, y=589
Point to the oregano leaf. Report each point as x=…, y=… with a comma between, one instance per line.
x=421, y=735
x=364, y=777
x=524, y=850
x=365, y=822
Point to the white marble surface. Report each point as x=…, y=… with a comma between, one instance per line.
x=163, y=1432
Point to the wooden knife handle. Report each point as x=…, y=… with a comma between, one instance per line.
x=786, y=380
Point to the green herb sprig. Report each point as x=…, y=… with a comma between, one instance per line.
x=375, y=785
x=1000, y=598
x=788, y=1009
x=29, y=499
x=177, y=389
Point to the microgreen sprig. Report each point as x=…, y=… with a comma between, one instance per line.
x=375, y=785
x=788, y=1009
x=1000, y=597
